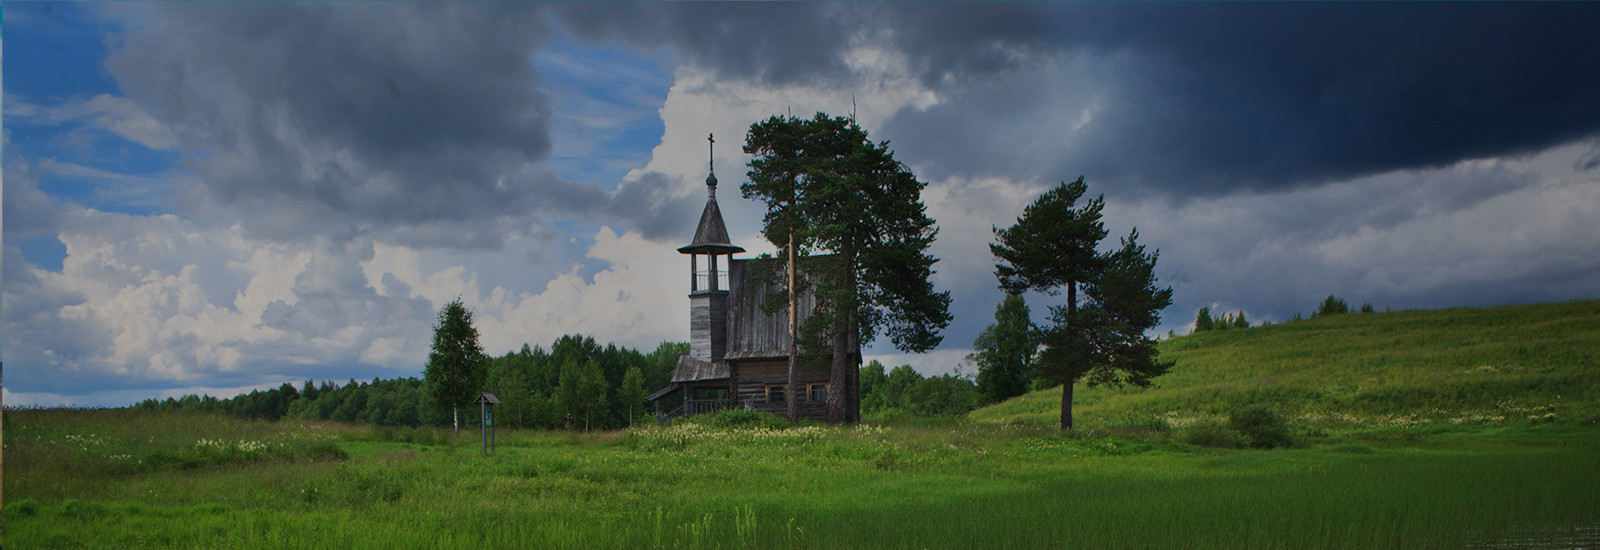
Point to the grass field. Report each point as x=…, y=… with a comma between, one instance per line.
x=1412, y=371
x=1521, y=464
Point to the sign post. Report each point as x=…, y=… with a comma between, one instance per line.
x=486, y=401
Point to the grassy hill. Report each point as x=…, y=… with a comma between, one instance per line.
x=1429, y=429
x=1433, y=371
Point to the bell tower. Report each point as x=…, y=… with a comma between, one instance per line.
x=708, y=292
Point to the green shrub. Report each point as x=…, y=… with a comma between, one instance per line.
x=891, y=414
x=1213, y=433
x=1264, y=428
x=740, y=418
x=422, y=436
x=1141, y=423
x=75, y=509
x=23, y=508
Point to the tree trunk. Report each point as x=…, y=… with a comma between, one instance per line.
x=839, y=393
x=794, y=351
x=1066, y=405
x=455, y=419
x=1066, y=386
x=842, y=399
x=853, y=366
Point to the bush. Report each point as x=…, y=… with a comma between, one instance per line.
x=1141, y=423
x=1213, y=433
x=23, y=508
x=1263, y=428
x=891, y=414
x=74, y=509
x=740, y=418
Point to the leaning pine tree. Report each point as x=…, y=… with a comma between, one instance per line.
x=456, y=365
x=829, y=188
x=1100, y=337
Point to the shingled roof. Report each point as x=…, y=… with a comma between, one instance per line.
x=711, y=237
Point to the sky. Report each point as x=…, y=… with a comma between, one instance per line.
x=218, y=197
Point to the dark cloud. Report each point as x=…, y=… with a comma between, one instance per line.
x=1187, y=98
x=298, y=117
x=426, y=121
x=652, y=205
x=28, y=212
x=778, y=43
x=1217, y=98
x=1591, y=160
x=790, y=43
x=420, y=123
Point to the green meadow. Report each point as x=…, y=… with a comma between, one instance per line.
x=1417, y=429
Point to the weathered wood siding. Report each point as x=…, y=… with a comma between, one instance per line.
x=751, y=333
x=708, y=324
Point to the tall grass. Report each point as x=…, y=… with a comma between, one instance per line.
x=956, y=485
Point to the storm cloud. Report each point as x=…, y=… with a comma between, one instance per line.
x=330, y=118
x=1184, y=98
x=1210, y=99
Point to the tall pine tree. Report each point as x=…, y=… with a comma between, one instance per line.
x=1100, y=338
x=831, y=189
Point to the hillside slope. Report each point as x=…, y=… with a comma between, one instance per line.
x=1435, y=370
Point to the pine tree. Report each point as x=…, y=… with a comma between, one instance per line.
x=1332, y=306
x=1051, y=247
x=1202, y=320
x=828, y=187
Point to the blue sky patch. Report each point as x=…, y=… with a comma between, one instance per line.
x=605, y=105
x=58, y=46
x=46, y=252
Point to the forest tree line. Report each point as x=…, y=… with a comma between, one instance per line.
x=602, y=387
x=538, y=388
